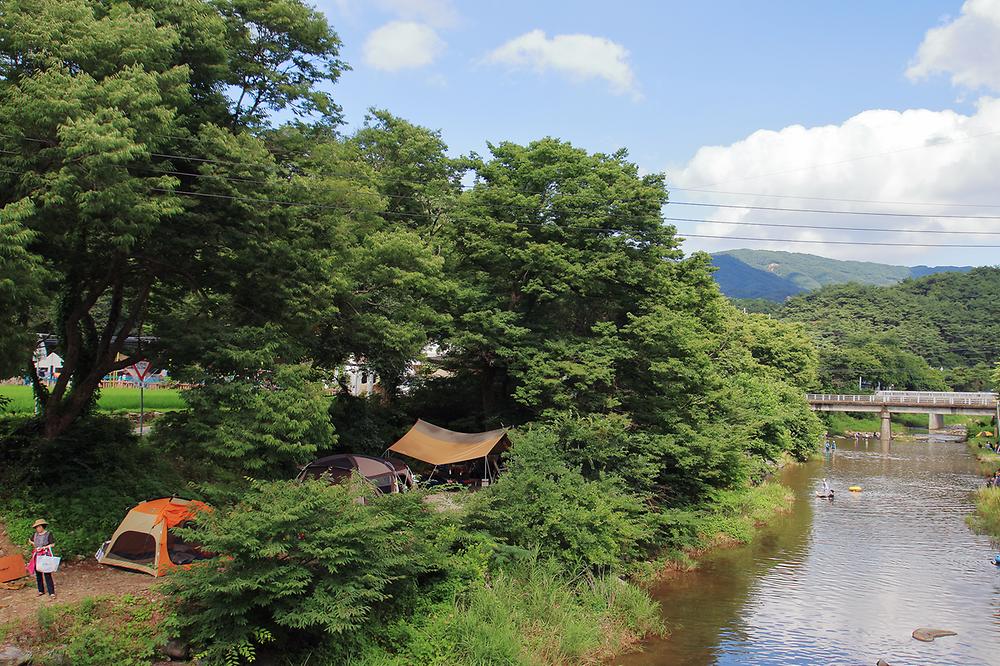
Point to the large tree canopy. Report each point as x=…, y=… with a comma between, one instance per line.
x=127, y=160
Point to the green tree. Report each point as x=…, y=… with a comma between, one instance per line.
x=262, y=426
x=124, y=154
x=305, y=564
x=20, y=291
x=545, y=504
x=554, y=249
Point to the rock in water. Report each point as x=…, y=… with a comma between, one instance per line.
x=927, y=635
x=882, y=662
x=11, y=656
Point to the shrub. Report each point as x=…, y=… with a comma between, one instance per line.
x=306, y=566
x=83, y=482
x=542, y=503
x=534, y=615
x=124, y=631
x=986, y=520
x=263, y=427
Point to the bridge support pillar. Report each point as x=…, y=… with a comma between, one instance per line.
x=886, y=431
x=935, y=421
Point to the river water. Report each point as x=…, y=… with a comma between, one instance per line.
x=847, y=581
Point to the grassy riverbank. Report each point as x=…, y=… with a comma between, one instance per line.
x=532, y=615
x=840, y=423
x=986, y=519
x=125, y=631
x=732, y=519
x=112, y=400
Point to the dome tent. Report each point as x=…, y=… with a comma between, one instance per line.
x=144, y=541
x=387, y=476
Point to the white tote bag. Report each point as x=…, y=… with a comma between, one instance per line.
x=47, y=563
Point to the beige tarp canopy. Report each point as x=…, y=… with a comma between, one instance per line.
x=437, y=446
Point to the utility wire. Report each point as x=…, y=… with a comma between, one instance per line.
x=838, y=212
x=190, y=193
x=679, y=203
x=581, y=228
x=834, y=242
x=839, y=199
x=833, y=228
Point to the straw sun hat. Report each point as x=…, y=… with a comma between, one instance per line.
x=38, y=522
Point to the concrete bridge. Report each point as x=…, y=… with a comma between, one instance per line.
x=934, y=404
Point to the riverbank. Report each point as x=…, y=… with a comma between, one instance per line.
x=536, y=615
x=734, y=519
x=846, y=424
x=986, y=519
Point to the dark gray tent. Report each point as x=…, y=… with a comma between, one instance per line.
x=388, y=476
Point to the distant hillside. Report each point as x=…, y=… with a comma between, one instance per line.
x=776, y=275
x=935, y=330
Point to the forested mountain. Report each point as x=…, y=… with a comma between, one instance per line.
x=935, y=332
x=775, y=275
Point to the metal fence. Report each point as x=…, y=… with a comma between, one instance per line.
x=910, y=398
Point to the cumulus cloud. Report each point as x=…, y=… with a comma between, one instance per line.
x=967, y=47
x=402, y=45
x=582, y=57
x=915, y=156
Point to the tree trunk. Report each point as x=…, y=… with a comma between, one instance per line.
x=80, y=380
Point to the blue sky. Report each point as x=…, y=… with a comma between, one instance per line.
x=666, y=79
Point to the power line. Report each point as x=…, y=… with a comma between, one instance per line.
x=190, y=193
x=834, y=242
x=839, y=199
x=834, y=228
x=680, y=203
x=838, y=212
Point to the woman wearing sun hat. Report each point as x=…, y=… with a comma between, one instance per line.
x=42, y=542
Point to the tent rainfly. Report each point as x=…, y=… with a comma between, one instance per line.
x=144, y=541
x=388, y=476
x=439, y=446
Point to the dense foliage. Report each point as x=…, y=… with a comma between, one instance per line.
x=306, y=559
x=82, y=482
x=931, y=333
x=145, y=183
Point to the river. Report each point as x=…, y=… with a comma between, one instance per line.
x=847, y=581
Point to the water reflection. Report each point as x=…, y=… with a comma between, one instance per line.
x=845, y=582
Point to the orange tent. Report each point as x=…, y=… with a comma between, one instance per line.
x=144, y=541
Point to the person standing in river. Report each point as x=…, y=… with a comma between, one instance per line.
x=42, y=543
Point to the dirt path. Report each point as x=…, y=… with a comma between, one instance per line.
x=74, y=582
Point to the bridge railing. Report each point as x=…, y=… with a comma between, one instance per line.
x=911, y=398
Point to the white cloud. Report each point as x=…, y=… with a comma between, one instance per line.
x=942, y=157
x=438, y=13
x=582, y=57
x=968, y=48
x=402, y=45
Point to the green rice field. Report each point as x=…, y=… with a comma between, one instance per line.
x=112, y=400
